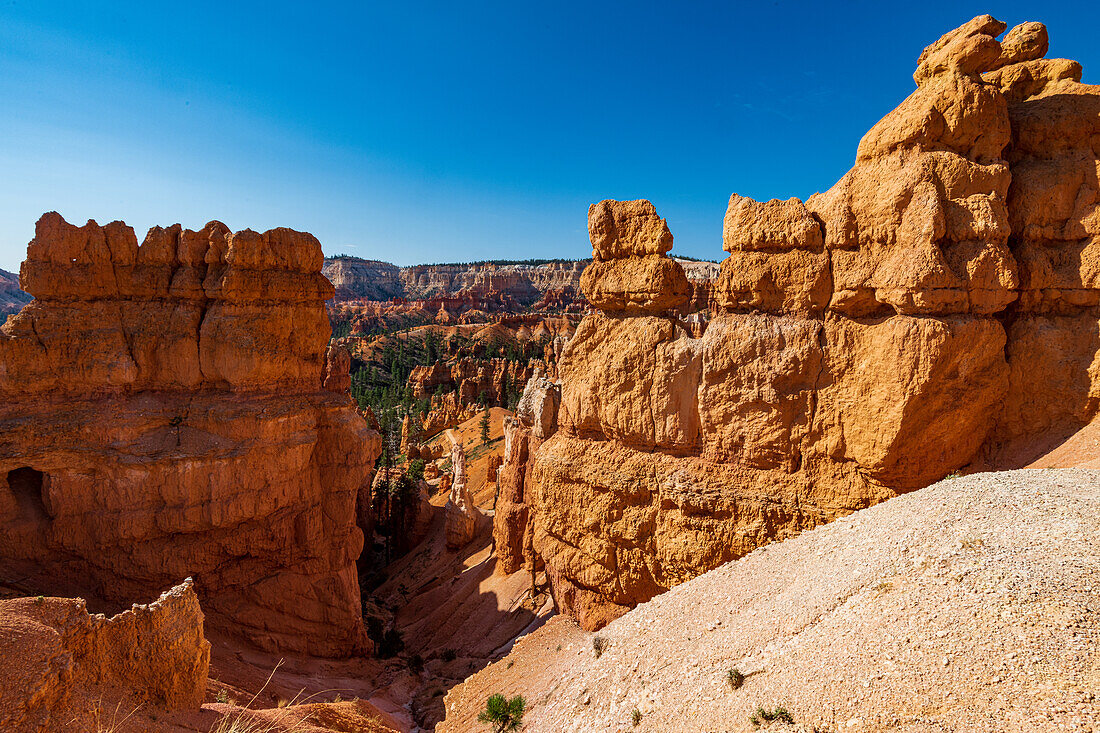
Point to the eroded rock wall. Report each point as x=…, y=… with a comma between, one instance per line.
x=167, y=413
x=61, y=661
x=934, y=309
x=535, y=422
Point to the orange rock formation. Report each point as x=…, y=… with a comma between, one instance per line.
x=460, y=513
x=535, y=421
x=62, y=661
x=167, y=413
x=936, y=307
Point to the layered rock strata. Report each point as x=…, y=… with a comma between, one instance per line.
x=167, y=413
x=934, y=308
x=484, y=285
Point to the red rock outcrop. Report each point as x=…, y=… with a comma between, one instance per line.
x=398, y=508
x=492, y=467
x=61, y=661
x=859, y=349
x=167, y=414
x=446, y=412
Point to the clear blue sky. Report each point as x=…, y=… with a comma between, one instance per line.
x=425, y=132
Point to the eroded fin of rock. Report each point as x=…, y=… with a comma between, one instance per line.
x=860, y=346
x=168, y=411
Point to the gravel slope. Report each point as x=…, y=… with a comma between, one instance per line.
x=967, y=606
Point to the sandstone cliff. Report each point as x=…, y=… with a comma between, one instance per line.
x=535, y=421
x=164, y=416
x=934, y=309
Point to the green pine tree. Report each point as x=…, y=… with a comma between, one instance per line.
x=502, y=713
x=485, y=426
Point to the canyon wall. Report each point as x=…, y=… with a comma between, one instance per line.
x=354, y=278
x=476, y=284
x=937, y=308
x=167, y=413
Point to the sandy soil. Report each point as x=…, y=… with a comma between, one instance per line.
x=1081, y=450
x=971, y=605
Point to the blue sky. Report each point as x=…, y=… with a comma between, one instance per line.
x=427, y=132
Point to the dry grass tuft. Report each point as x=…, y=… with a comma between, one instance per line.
x=283, y=721
x=102, y=725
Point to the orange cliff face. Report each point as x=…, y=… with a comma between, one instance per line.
x=164, y=416
x=937, y=308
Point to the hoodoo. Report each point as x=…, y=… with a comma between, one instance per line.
x=164, y=416
x=936, y=309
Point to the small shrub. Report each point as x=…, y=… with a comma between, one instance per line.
x=449, y=654
x=763, y=715
x=416, y=663
x=503, y=714
x=223, y=696
x=40, y=600
x=636, y=716
x=599, y=645
x=735, y=678
x=510, y=663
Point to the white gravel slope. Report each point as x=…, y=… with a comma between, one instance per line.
x=971, y=605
